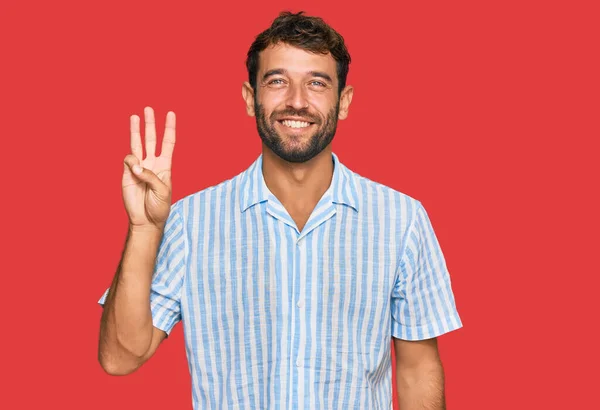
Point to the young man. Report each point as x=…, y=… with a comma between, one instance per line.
x=293, y=277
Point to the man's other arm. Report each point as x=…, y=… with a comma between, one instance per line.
x=419, y=375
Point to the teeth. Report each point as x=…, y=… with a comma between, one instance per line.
x=295, y=124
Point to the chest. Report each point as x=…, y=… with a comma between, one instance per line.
x=300, y=217
x=342, y=267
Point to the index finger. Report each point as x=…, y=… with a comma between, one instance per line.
x=136, y=138
x=168, y=143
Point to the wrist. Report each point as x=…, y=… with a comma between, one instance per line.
x=146, y=230
x=144, y=238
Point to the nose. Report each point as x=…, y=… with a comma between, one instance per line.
x=297, y=97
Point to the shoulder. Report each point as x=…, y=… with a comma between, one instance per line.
x=393, y=200
x=208, y=196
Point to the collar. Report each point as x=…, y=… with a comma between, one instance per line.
x=253, y=189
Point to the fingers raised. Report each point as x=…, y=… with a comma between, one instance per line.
x=136, y=138
x=150, y=132
x=168, y=143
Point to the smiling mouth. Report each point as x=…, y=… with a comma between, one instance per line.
x=295, y=124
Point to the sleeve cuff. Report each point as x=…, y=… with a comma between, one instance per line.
x=102, y=300
x=427, y=331
x=164, y=321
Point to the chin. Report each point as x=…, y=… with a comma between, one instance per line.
x=296, y=158
x=297, y=147
x=296, y=155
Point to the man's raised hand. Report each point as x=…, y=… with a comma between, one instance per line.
x=147, y=181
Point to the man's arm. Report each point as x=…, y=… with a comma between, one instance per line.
x=419, y=375
x=127, y=335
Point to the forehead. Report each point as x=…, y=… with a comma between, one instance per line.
x=296, y=60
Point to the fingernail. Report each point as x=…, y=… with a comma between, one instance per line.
x=137, y=169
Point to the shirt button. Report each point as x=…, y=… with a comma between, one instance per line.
x=300, y=304
x=298, y=363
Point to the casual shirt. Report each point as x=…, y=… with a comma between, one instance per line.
x=278, y=318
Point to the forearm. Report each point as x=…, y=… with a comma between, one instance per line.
x=126, y=327
x=421, y=388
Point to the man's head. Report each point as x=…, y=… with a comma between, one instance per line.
x=296, y=88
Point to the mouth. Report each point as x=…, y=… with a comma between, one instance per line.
x=295, y=124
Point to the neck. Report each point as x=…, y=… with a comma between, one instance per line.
x=298, y=184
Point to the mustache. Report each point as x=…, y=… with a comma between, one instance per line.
x=291, y=112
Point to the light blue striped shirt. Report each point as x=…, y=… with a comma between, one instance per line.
x=274, y=318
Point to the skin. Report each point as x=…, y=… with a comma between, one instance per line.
x=127, y=337
x=297, y=164
x=419, y=375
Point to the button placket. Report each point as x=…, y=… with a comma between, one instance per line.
x=300, y=246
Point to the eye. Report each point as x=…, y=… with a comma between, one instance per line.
x=317, y=83
x=276, y=81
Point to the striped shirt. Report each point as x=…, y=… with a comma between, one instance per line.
x=277, y=318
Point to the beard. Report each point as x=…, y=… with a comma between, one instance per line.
x=317, y=142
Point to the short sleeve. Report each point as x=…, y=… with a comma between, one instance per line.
x=168, y=275
x=422, y=303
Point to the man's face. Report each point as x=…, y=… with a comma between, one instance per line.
x=296, y=102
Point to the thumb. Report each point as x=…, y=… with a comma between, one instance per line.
x=147, y=176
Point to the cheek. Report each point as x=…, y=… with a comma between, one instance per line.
x=268, y=109
x=272, y=97
x=323, y=104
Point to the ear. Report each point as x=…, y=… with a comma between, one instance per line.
x=345, y=100
x=248, y=95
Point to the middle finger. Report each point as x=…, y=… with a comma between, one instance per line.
x=150, y=133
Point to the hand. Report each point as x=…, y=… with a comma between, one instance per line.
x=147, y=190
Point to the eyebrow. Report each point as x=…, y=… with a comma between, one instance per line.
x=322, y=75
x=277, y=71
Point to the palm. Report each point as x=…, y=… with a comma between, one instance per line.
x=144, y=205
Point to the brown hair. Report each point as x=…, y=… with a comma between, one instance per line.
x=305, y=32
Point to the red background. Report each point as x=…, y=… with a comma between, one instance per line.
x=487, y=113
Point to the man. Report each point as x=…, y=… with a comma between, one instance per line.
x=293, y=277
